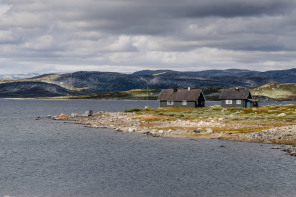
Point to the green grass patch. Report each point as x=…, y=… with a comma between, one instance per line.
x=133, y=110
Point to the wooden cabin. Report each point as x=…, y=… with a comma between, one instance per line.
x=237, y=97
x=186, y=98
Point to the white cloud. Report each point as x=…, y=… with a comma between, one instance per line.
x=4, y=9
x=40, y=43
x=122, y=43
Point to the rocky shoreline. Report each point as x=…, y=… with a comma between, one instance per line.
x=273, y=135
x=134, y=123
x=179, y=128
x=278, y=135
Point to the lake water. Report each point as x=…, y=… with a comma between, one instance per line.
x=53, y=158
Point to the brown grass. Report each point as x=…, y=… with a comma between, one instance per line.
x=239, y=120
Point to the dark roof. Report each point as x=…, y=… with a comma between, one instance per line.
x=235, y=93
x=180, y=94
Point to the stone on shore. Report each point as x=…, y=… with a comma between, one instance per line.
x=89, y=113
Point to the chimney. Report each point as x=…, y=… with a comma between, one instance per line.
x=189, y=88
x=175, y=89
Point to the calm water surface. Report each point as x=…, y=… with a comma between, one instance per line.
x=52, y=158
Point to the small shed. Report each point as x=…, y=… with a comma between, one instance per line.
x=237, y=97
x=186, y=98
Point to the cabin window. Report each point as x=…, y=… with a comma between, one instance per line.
x=170, y=102
x=184, y=102
x=228, y=102
x=238, y=102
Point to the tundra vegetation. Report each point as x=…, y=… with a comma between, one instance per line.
x=230, y=122
x=280, y=92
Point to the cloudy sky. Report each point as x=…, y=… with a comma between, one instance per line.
x=130, y=35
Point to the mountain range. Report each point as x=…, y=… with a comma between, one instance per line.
x=85, y=83
x=18, y=76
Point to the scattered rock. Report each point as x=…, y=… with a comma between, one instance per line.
x=196, y=131
x=73, y=115
x=117, y=130
x=151, y=134
x=281, y=115
x=276, y=148
x=272, y=135
x=132, y=129
x=291, y=151
x=88, y=113
x=210, y=131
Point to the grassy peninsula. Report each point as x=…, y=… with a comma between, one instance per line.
x=277, y=122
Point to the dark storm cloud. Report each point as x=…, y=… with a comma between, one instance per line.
x=156, y=17
x=121, y=34
x=235, y=9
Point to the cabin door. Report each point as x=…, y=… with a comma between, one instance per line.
x=248, y=104
x=200, y=103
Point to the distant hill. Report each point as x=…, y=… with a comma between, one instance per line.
x=221, y=78
x=85, y=83
x=32, y=89
x=276, y=91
